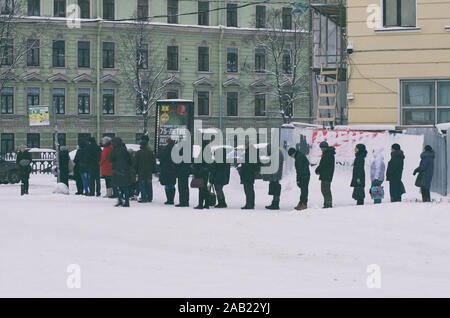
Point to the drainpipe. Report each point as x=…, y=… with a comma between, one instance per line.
x=99, y=30
x=220, y=79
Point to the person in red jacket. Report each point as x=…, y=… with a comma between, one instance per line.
x=106, y=166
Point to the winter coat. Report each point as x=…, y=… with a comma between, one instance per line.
x=377, y=167
x=395, y=166
x=220, y=173
x=105, y=165
x=133, y=174
x=145, y=163
x=94, y=154
x=24, y=171
x=426, y=167
x=325, y=170
x=202, y=171
x=121, y=164
x=278, y=174
x=301, y=166
x=182, y=169
x=81, y=159
x=167, y=174
x=64, y=164
x=248, y=170
x=359, y=174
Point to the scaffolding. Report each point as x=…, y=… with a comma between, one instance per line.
x=328, y=62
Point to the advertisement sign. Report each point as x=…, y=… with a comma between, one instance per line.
x=39, y=115
x=173, y=119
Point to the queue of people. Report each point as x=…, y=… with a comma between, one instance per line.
x=128, y=174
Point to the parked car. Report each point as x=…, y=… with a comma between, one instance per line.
x=9, y=172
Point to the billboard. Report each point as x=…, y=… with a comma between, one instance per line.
x=39, y=115
x=174, y=117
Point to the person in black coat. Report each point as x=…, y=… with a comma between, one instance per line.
x=359, y=174
x=77, y=177
x=325, y=170
x=63, y=165
x=121, y=165
x=82, y=165
x=167, y=174
x=274, y=180
x=145, y=166
x=202, y=171
x=247, y=172
x=303, y=176
x=425, y=171
x=23, y=160
x=182, y=172
x=94, y=156
x=220, y=176
x=394, y=173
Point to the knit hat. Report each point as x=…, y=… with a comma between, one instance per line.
x=291, y=151
x=396, y=146
x=361, y=147
x=323, y=144
x=428, y=148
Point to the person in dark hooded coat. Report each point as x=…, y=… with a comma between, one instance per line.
x=121, y=165
x=94, y=157
x=303, y=176
x=325, y=170
x=359, y=175
x=145, y=166
x=274, y=180
x=167, y=173
x=425, y=171
x=247, y=172
x=64, y=165
x=82, y=165
x=394, y=173
x=182, y=171
x=220, y=176
x=23, y=160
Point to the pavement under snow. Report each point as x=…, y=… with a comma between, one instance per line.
x=151, y=250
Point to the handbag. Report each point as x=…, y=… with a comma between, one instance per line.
x=377, y=192
x=212, y=197
x=421, y=180
x=197, y=183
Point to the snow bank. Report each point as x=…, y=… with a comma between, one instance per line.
x=61, y=188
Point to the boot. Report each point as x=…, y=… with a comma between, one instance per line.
x=182, y=205
x=303, y=206
x=274, y=206
x=22, y=189
x=221, y=204
x=170, y=195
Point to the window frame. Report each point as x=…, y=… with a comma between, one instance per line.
x=203, y=13
x=173, y=18
x=108, y=58
x=108, y=4
x=144, y=65
x=27, y=94
x=5, y=143
x=89, y=96
x=263, y=69
x=56, y=6
x=177, y=55
x=10, y=98
x=234, y=16
x=59, y=98
x=31, y=143
x=113, y=104
x=56, y=57
x=88, y=7
x=7, y=46
x=143, y=8
x=399, y=15
x=264, y=98
x=83, y=50
x=237, y=103
x=259, y=26
x=237, y=60
x=199, y=59
x=33, y=8
x=31, y=53
x=208, y=104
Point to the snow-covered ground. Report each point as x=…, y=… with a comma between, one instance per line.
x=151, y=250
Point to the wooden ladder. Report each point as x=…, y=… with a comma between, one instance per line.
x=328, y=86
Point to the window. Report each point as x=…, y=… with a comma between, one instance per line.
x=34, y=7
x=260, y=60
x=172, y=94
x=59, y=8
x=84, y=54
x=425, y=102
x=61, y=140
x=7, y=6
x=85, y=9
x=260, y=16
x=7, y=143
x=83, y=137
x=232, y=15
x=58, y=97
x=7, y=51
x=108, y=102
x=203, y=103
x=7, y=100
x=260, y=105
x=33, y=52
x=232, y=103
x=203, y=13
x=203, y=59
x=172, y=58
x=286, y=18
x=232, y=60
x=142, y=56
x=33, y=96
x=286, y=62
x=172, y=11
x=108, y=9
x=59, y=56
x=84, y=101
x=142, y=9
x=399, y=13
x=108, y=54
x=33, y=140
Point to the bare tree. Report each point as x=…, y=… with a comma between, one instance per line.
x=17, y=40
x=144, y=69
x=284, y=60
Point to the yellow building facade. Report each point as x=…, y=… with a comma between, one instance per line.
x=398, y=61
